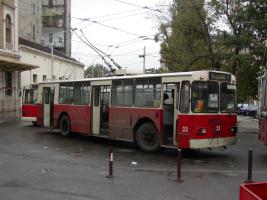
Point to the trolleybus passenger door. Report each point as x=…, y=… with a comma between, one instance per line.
x=104, y=109
x=170, y=112
x=176, y=112
x=96, y=109
x=46, y=106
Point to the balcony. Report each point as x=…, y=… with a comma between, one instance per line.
x=53, y=21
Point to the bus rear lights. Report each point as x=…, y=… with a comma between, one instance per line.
x=202, y=131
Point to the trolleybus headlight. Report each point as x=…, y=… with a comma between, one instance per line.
x=233, y=129
x=202, y=131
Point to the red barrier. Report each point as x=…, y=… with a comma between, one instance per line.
x=253, y=191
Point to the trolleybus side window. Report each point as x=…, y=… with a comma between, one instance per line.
x=185, y=97
x=228, y=97
x=81, y=93
x=122, y=93
x=148, y=92
x=66, y=93
x=117, y=93
x=29, y=96
x=77, y=93
x=85, y=93
x=205, y=96
x=128, y=93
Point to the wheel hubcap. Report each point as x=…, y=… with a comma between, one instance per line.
x=148, y=137
x=65, y=126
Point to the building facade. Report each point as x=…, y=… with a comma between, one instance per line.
x=30, y=20
x=10, y=62
x=54, y=66
x=47, y=22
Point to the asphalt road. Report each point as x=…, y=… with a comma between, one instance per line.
x=35, y=164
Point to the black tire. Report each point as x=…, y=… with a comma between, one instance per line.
x=34, y=123
x=65, y=126
x=147, y=138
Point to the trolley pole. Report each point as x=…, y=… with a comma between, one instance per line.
x=250, y=159
x=110, y=164
x=179, y=166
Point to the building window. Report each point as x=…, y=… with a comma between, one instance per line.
x=50, y=21
x=60, y=40
x=8, y=29
x=50, y=37
x=8, y=80
x=34, y=78
x=33, y=32
x=44, y=77
x=50, y=3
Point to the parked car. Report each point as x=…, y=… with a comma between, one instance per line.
x=240, y=107
x=250, y=110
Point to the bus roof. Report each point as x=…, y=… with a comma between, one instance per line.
x=136, y=76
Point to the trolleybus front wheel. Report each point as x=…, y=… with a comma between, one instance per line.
x=147, y=138
x=64, y=125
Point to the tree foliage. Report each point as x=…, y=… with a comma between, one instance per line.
x=96, y=70
x=192, y=39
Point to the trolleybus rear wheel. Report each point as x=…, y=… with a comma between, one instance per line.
x=64, y=125
x=147, y=137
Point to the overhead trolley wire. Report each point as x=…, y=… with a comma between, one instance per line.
x=99, y=52
x=111, y=27
x=143, y=7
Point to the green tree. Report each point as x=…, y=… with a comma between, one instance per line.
x=244, y=43
x=96, y=70
x=192, y=39
x=186, y=40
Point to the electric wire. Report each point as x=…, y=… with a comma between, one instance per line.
x=111, y=27
x=99, y=53
x=143, y=7
x=116, y=64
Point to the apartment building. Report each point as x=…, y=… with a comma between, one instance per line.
x=47, y=22
x=10, y=62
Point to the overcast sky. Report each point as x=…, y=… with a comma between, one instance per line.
x=119, y=30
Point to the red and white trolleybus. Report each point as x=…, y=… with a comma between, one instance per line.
x=186, y=110
x=29, y=106
x=263, y=109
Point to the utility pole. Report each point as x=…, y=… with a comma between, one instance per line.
x=144, y=60
x=52, y=62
